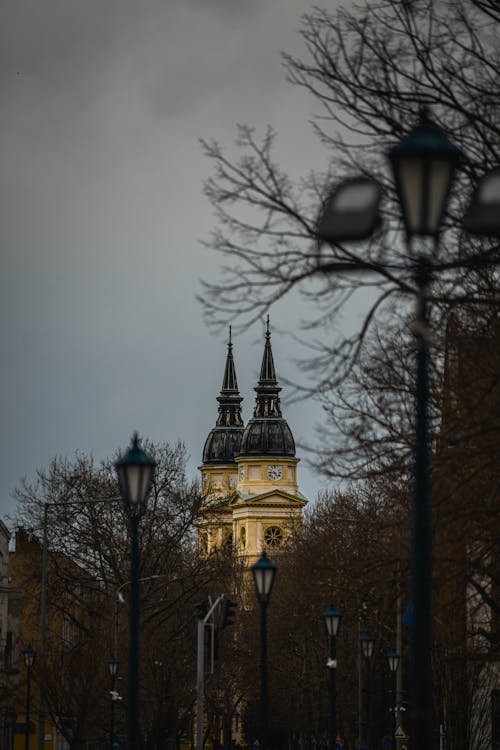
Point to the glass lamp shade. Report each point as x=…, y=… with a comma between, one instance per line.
x=29, y=654
x=424, y=163
x=332, y=619
x=351, y=211
x=483, y=215
x=135, y=472
x=367, y=641
x=113, y=664
x=263, y=571
x=393, y=660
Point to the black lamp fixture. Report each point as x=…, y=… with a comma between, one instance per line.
x=367, y=641
x=424, y=162
x=393, y=659
x=332, y=617
x=135, y=471
x=113, y=664
x=29, y=655
x=264, y=572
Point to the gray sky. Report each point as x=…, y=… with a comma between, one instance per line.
x=102, y=214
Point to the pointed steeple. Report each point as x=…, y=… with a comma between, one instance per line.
x=267, y=403
x=229, y=399
x=223, y=442
x=267, y=371
x=267, y=433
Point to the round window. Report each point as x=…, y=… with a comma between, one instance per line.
x=273, y=536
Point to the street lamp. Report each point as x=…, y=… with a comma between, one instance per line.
x=332, y=617
x=264, y=572
x=367, y=640
x=393, y=659
x=135, y=472
x=29, y=655
x=113, y=664
x=424, y=162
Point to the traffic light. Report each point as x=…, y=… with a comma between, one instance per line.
x=200, y=610
x=228, y=613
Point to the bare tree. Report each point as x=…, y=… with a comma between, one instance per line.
x=368, y=69
x=88, y=575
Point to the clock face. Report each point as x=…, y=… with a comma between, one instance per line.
x=274, y=472
x=242, y=473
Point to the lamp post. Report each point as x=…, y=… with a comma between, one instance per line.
x=424, y=163
x=113, y=664
x=332, y=617
x=264, y=572
x=29, y=654
x=367, y=641
x=393, y=659
x=135, y=472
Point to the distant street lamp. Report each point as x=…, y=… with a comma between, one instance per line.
x=393, y=659
x=135, y=472
x=29, y=655
x=367, y=642
x=332, y=617
x=264, y=572
x=113, y=664
x=424, y=163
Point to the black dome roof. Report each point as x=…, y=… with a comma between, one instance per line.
x=267, y=432
x=268, y=436
x=222, y=445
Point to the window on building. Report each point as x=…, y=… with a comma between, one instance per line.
x=273, y=536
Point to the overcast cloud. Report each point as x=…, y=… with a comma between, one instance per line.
x=102, y=215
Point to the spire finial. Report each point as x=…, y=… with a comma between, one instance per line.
x=230, y=344
x=268, y=332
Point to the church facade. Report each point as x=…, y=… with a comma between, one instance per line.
x=249, y=473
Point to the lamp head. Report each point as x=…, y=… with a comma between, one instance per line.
x=29, y=655
x=367, y=641
x=113, y=664
x=263, y=571
x=424, y=163
x=135, y=472
x=332, y=617
x=393, y=659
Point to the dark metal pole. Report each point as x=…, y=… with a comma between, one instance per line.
x=112, y=713
x=367, y=737
x=332, y=738
x=133, y=658
x=421, y=682
x=28, y=702
x=264, y=708
x=43, y=632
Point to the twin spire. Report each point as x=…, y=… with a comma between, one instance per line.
x=267, y=431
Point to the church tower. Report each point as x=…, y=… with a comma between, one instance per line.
x=267, y=505
x=219, y=469
x=249, y=474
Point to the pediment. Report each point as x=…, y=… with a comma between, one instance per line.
x=274, y=497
